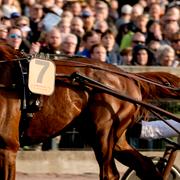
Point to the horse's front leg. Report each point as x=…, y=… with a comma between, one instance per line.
x=9, y=136
x=103, y=143
x=7, y=164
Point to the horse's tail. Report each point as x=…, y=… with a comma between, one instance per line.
x=152, y=91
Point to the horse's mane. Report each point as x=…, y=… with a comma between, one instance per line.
x=7, y=53
x=152, y=91
x=9, y=68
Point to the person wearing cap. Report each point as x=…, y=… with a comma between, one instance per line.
x=11, y=6
x=88, y=19
x=125, y=16
x=14, y=16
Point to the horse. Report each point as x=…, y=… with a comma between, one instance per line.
x=107, y=117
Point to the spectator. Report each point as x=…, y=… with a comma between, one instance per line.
x=142, y=56
x=101, y=10
x=53, y=43
x=14, y=37
x=155, y=11
x=175, y=43
x=113, y=11
x=172, y=14
x=67, y=14
x=102, y=13
x=154, y=45
x=64, y=26
x=141, y=23
x=77, y=26
x=126, y=39
x=132, y=37
x=59, y=3
x=166, y=56
x=88, y=19
x=23, y=23
x=36, y=15
x=137, y=10
x=90, y=38
x=126, y=55
x=6, y=21
x=46, y=3
x=11, y=6
x=3, y=33
x=113, y=53
x=75, y=8
x=138, y=38
x=26, y=5
x=98, y=52
x=168, y=30
x=154, y=31
x=101, y=26
x=125, y=16
x=14, y=16
x=69, y=45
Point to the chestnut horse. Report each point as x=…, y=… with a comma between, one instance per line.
x=106, y=116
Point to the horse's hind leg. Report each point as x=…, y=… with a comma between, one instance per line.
x=7, y=164
x=130, y=157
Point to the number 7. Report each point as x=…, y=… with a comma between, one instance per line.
x=45, y=65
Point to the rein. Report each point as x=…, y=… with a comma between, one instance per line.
x=68, y=63
x=122, y=73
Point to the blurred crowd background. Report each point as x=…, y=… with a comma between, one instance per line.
x=137, y=32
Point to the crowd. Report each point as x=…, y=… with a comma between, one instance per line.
x=142, y=32
x=137, y=32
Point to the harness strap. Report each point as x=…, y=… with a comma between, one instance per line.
x=23, y=99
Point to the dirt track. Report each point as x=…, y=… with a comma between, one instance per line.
x=24, y=176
